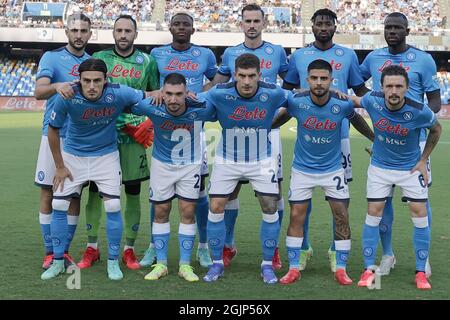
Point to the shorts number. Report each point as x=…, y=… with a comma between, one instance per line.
x=346, y=161
x=197, y=183
x=279, y=160
x=143, y=161
x=339, y=182
x=273, y=180
x=422, y=181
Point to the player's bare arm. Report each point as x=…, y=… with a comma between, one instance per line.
x=45, y=89
x=432, y=140
x=218, y=78
x=61, y=171
x=281, y=118
x=434, y=100
x=361, y=125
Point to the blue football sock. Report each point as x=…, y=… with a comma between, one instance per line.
x=305, y=243
x=370, y=238
x=342, y=248
x=114, y=228
x=231, y=213
x=186, y=238
x=161, y=235
x=386, y=228
x=72, y=222
x=293, y=246
x=421, y=239
x=59, y=233
x=44, y=221
x=333, y=243
x=270, y=230
x=216, y=235
x=201, y=216
x=280, y=210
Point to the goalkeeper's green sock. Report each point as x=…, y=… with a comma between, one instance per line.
x=132, y=218
x=94, y=210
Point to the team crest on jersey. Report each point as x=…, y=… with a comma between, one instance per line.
x=335, y=109
x=139, y=59
x=411, y=56
x=41, y=175
x=263, y=97
x=196, y=52
x=109, y=98
x=339, y=52
x=268, y=50
x=193, y=115
x=407, y=116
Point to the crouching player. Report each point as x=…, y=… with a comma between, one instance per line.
x=89, y=154
x=175, y=170
x=317, y=163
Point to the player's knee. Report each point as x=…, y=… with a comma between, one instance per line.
x=269, y=206
x=216, y=206
x=112, y=205
x=60, y=204
x=133, y=189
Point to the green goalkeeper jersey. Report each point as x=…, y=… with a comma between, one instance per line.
x=139, y=71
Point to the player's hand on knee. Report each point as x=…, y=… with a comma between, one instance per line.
x=65, y=89
x=60, y=175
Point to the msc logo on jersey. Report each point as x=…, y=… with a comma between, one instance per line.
x=307, y=137
x=407, y=116
x=263, y=97
x=335, y=109
x=196, y=52
x=41, y=175
x=109, y=98
x=53, y=115
x=411, y=56
x=268, y=50
x=339, y=52
x=139, y=59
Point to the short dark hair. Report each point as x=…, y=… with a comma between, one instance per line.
x=182, y=14
x=252, y=7
x=93, y=65
x=320, y=64
x=324, y=12
x=397, y=15
x=247, y=61
x=79, y=16
x=127, y=17
x=394, y=70
x=174, y=79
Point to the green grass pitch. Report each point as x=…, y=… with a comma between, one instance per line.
x=22, y=249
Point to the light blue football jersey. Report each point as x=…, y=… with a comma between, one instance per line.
x=59, y=66
x=396, y=144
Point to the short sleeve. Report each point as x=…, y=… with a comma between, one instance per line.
x=59, y=114
x=46, y=68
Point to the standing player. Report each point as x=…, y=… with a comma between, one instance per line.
x=317, y=163
x=345, y=75
x=129, y=66
x=175, y=170
x=273, y=63
x=421, y=70
x=57, y=69
x=90, y=154
x=397, y=160
x=245, y=109
x=195, y=63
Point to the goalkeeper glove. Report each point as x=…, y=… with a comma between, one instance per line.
x=144, y=134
